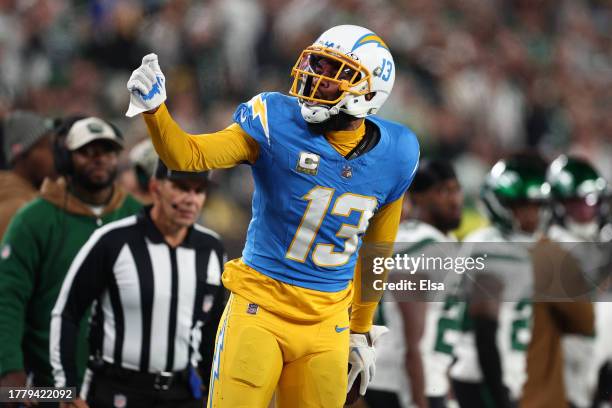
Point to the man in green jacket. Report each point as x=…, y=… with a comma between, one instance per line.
x=29, y=155
x=43, y=238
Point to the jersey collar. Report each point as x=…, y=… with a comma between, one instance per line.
x=154, y=235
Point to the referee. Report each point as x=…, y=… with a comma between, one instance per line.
x=155, y=282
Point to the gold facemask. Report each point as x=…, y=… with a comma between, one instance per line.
x=343, y=71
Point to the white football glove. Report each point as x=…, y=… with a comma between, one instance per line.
x=147, y=86
x=362, y=357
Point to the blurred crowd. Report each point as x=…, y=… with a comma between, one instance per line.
x=476, y=78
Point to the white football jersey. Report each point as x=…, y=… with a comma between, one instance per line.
x=419, y=239
x=507, y=258
x=603, y=330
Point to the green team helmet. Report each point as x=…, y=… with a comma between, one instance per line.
x=519, y=179
x=571, y=177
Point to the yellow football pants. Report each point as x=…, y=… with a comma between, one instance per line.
x=258, y=353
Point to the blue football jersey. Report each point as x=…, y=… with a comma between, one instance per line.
x=311, y=206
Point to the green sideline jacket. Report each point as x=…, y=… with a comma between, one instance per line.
x=36, y=252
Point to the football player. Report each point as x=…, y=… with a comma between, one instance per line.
x=579, y=210
x=579, y=204
x=603, y=342
x=328, y=175
x=423, y=331
x=490, y=366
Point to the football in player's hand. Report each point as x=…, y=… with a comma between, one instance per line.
x=353, y=395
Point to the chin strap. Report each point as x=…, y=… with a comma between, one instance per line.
x=318, y=113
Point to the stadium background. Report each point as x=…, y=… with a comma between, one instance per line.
x=476, y=78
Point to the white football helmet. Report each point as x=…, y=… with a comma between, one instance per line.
x=362, y=68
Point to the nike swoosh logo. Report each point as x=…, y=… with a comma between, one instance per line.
x=242, y=117
x=341, y=329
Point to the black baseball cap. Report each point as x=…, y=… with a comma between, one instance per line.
x=162, y=172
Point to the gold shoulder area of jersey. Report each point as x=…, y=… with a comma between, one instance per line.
x=409, y=285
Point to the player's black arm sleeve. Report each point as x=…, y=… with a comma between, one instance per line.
x=483, y=307
x=485, y=329
x=85, y=281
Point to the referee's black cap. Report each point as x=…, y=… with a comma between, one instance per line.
x=162, y=172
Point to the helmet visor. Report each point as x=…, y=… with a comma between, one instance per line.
x=323, y=75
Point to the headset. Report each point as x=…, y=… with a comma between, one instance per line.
x=61, y=155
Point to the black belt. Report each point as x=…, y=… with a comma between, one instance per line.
x=161, y=381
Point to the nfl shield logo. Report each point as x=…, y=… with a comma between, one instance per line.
x=347, y=171
x=208, y=302
x=119, y=401
x=252, y=309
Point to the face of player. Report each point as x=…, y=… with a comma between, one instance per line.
x=445, y=202
x=581, y=210
x=527, y=215
x=180, y=201
x=328, y=90
x=95, y=165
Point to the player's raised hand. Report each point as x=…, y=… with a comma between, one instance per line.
x=362, y=357
x=147, y=86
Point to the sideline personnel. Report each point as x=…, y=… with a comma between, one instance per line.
x=43, y=238
x=156, y=280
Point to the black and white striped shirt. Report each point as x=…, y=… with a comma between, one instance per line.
x=151, y=302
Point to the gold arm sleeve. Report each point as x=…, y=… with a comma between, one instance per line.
x=180, y=150
x=382, y=232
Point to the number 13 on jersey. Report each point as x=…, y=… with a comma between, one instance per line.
x=319, y=198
